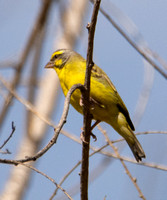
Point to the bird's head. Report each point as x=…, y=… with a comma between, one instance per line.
x=59, y=58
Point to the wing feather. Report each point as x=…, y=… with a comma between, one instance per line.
x=100, y=76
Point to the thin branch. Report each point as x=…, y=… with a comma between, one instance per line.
x=49, y=178
x=136, y=47
x=99, y=150
x=142, y=133
x=57, y=128
x=11, y=134
x=73, y=168
x=131, y=160
x=5, y=152
x=33, y=109
x=126, y=159
x=105, y=153
x=134, y=180
x=64, y=178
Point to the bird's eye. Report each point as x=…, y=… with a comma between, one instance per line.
x=54, y=57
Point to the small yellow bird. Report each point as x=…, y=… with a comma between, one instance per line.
x=106, y=104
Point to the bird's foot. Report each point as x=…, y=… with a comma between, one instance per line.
x=93, y=136
x=82, y=137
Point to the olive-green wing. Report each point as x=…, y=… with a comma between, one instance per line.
x=100, y=76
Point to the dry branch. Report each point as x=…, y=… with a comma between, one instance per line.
x=49, y=178
x=57, y=128
x=86, y=112
x=142, y=52
x=6, y=141
x=134, y=181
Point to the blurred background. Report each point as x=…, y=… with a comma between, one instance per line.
x=30, y=31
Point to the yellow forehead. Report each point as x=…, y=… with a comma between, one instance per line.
x=57, y=53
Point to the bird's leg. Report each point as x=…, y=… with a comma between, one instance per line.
x=82, y=136
x=95, y=124
x=92, y=127
x=82, y=133
x=81, y=101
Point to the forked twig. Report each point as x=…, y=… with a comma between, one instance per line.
x=11, y=134
x=57, y=128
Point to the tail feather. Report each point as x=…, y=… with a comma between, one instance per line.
x=125, y=130
x=137, y=149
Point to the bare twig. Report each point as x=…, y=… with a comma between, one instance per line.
x=134, y=180
x=64, y=178
x=57, y=128
x=5, y=152
x=126, y=159
x=131, y=160
x=70, y=172
x=31, y=108
x=6, y=141
x=142, y=133
x=49, y=178
x=136, y=47
x=105, y=153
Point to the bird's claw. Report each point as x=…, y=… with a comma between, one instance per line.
x=83, y=138
x=93, y=136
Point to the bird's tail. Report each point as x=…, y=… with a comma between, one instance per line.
x=136, y=148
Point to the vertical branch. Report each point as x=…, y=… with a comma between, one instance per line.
x=87, y=115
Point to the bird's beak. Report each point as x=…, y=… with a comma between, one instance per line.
x=50, y=64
